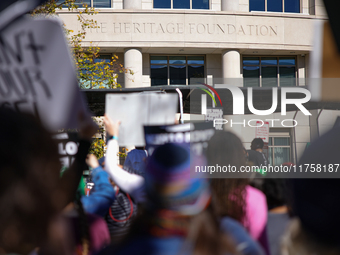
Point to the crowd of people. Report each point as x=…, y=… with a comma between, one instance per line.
x=154, y=204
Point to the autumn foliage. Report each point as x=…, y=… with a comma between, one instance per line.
x=93, y=71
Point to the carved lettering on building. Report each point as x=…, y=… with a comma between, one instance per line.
x=189, y=28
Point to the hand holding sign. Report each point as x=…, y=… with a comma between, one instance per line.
x=112, y=128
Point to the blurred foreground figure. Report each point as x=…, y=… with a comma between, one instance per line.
x=108, y=201
x=89, y=230
x=175, y=219
x=234, y=201
x=278, y=212
x=315, y=230
x=31, y=192
x=29, y=170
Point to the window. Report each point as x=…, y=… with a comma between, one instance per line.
x=92, y=3
x=181, y=4
x=96, y=73
x=279, y=148
x=176, y=70
x=269, y=71
x=275, y=5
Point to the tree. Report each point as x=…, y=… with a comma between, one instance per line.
x=92, y=71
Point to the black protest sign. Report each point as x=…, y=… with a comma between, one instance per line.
x=37, y=74
x=68, y=143
x=67, y=147
x=195, y=135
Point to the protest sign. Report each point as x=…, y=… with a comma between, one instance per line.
x=195, y=135
x=136, y=110
x=13, y=9
x=262, y=131
x=214, y=113
x=37, y=74
x=67, y=147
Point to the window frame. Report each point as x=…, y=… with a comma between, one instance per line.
x=280, y=133
x=277, y=68
x=283, y=7
x=91, y=5
x=186, y=67
x=108, y=56
x=111, y=3
x=172, y=6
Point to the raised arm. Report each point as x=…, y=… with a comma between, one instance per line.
x=103, y=194
x=129, y=183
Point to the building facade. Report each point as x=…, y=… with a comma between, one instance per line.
x=250, y=43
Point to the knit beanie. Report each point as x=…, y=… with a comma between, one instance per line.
x=169, y=184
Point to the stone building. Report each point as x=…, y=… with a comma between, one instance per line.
x=250, y=43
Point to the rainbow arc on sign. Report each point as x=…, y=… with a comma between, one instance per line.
x=209, y=93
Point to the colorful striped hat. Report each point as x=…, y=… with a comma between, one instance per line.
x=169, y=183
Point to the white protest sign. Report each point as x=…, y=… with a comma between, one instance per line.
x=214, y=113
x=37, y=74
x=136, y=110
x=262, y=130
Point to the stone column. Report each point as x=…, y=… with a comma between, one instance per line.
x=229, y=5
x=314, y=125
x=231, y=67
x=132, y=4
x=133, y=60
x=301, y=68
